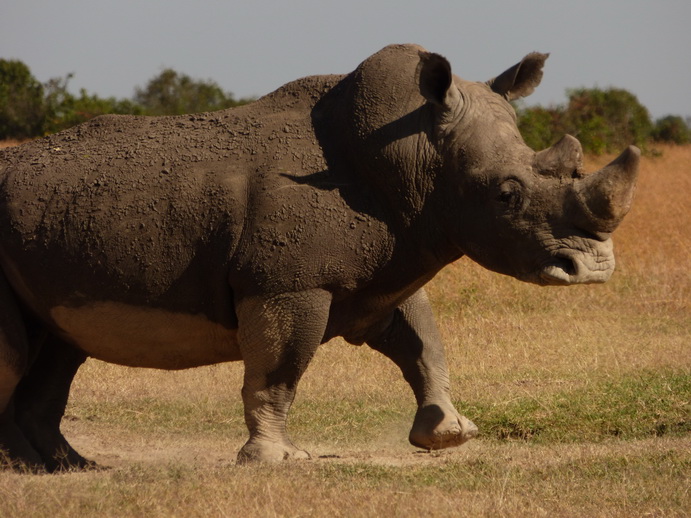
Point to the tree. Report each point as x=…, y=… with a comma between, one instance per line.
x=171, y=93
x=22, y=108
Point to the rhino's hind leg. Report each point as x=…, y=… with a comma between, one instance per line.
x=40, y=401
x=412, y=341
x=277, y=339
x=15, y=450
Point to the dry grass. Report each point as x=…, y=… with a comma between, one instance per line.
x=595, y=378
x=623, y=479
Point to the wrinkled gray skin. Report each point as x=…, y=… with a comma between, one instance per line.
x=260, y=232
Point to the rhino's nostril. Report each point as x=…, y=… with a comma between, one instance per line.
x=566, y=264
x=560, y=270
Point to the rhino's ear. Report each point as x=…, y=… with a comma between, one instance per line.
x=434, y=77
x=521, y=79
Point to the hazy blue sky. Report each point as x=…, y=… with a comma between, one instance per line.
x=252, y=47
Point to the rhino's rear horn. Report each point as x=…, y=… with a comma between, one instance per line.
x=607, y=194
x=563, y=159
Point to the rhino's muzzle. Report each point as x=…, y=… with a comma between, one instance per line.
x=576, y=268
x=601, y=201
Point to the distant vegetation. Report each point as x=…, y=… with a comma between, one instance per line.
x=30, y=109
x=603, y=120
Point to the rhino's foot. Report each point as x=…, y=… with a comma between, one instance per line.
x=257, y=450
x=53, y=448
x=440, y=426
x=67, y=459
x=16, y=453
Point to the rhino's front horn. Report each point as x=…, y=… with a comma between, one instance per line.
x=607, y=194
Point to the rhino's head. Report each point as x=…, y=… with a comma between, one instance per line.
x=535, y=216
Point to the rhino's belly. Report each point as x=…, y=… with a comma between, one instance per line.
x=146, y=337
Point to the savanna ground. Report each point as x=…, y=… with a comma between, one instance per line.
x=582, y=396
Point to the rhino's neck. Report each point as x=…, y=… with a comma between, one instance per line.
x=388, y=155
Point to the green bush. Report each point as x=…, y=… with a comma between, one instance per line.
x=672, y=129
x=604, y=121
x=22, y=106
x=540, y=127
x=607, y=120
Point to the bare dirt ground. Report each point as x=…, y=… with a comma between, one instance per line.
x=117, y=449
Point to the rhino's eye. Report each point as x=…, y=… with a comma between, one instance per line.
x=506, y=197
x=510, y=194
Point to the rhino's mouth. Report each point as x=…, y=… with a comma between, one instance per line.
x=565, y=269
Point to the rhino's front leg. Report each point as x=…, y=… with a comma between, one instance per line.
x=412, y=341
x=278, y=337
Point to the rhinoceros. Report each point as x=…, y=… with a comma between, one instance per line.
x=257, y=233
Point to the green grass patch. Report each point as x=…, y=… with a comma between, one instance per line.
x=633, y=406
x=349, y=423
x=476, y=473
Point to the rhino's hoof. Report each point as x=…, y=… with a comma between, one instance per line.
x=269, y=452
x=16, y=453
x=436, y=428
x=80, y=464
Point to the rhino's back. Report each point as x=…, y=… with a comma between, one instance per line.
x=147, y=208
